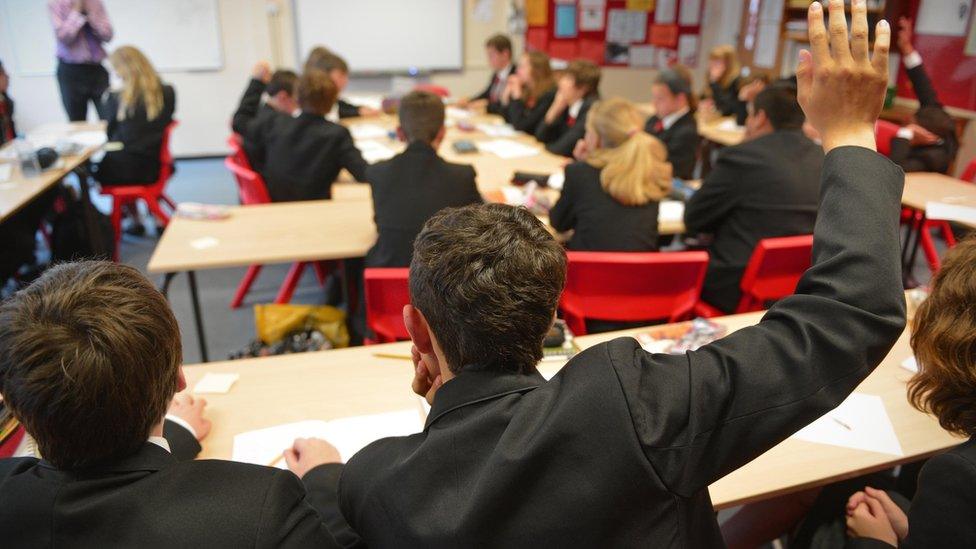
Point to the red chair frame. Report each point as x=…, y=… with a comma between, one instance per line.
x=387, y=290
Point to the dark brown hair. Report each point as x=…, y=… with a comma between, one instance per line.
x=421, y=116
x=317, y=93
x=487, y=278
x=282, y=80
x=499, y=43
x=944, y=342
x=542, y=78
x=782, y=109
x=89, y=361
x=316, y=59
x=586, y=75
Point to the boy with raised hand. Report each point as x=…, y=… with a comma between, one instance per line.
x=252, y=112
x=619, y=448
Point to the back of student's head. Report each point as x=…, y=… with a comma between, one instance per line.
x=586, y=75
x=316, y=58
x=89, y=360
x=316, y=92
x=944, y=342
x=421, y=116
x=283, y=80
x=634, y=166
x=487, y=279
x=499, y=43
x=327, y=62
x=782, y=109
x=140, y=82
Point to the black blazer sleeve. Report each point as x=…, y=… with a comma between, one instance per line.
x=704, y=414
x=182, y=444
x=248, y=107
x=350, y=158
x=727, y=99
x=719, y=194
x=321, y=488
x=923, y=87
x=524, y=119
x=559, y=137
x=945, y=500
x=486, y=93
x=562, y=216
x=471, y=193
x=287, y=519
x=110, y=113
x=347, y=110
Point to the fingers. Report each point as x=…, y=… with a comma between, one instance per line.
x=855, y=500
x=876, y=508
x=882, y=43
x=818, y=34
x=429, y=396
x=859, y=31
x=839, y=48
x=883, y=497
x=291, y=459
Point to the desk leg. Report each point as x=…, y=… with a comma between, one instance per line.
x=164, y=287
x=197, y=316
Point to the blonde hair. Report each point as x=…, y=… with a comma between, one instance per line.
x=726, y=54
x=141, y=84
x=634, y=165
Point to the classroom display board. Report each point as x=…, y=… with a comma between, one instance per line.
x=380, y=36
x=178, y=35
x=634, y=33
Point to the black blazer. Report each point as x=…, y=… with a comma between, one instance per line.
x=941, y=515
x=763, y=188
x=152, y=500
x=927, y=158
x=407, y=190
x=251, y=114
x=600, y=223
x=560, y=137
x=618, y=449
x=681, y=139
x=727, y=100
x=525, y=118
x=347, y=109
x=303, y=156
x=494, y=107
x=6, y=118
x=138, y=161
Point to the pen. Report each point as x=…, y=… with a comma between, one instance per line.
x=392, y=355
x=842, y=424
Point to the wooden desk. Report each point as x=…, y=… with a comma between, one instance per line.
x=721, y=136
x=348, y=382
x=921, y=188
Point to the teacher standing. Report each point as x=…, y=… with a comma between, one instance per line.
x=80, y=28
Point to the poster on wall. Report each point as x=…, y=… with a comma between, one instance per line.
x=943, y=17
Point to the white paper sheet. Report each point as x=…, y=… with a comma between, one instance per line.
x=5, y=171
x=910, y=364
x=371, y=101
x=216, y=383
x=860, y=422
x=496, y=130
x=506, y=148
x=671, y=210
x=664, y=11
x=204, y=243
x=643, y=56
x=454, y=113
x=367, y=131
x=556, y=181
x=690, y=12
x=728, y=125
x=943, y=17
x=591, y=17
x=951, y=211
x=627, y=26
x=374, y=152
x=688, y=49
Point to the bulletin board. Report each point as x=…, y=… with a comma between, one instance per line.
x=624, y=33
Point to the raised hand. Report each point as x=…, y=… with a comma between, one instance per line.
x=905, y=45
x=262, y=71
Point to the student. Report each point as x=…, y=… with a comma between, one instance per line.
x=415, y=184
x=674, y=123
x=619, y=448
x=89, y=360
x=81, y=28
x=610, y=200
x=565, y=122
x=252, y=114
x=303, y=154
x=498, y=48
x=8, y=131
x=338, y=70
x=529, y=92
x=944, y=335
x=766, y=187
x=928, y=143
x=724, y=83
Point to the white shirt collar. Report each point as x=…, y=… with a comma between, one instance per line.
x=161, y=442
x=28, y=448
x=503, y=74
x=669, y=120
x=575, y=108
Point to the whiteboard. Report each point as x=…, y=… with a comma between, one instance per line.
x=384, y=35
x=176, y=35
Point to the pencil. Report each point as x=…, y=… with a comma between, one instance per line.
x=841, y=423
x=275, y=461
x=392, y=355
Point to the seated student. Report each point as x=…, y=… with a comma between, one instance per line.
x=338, y=70
x=674, y=123
x=90, y=358
x=619, y=448
x=944, y=335
x=565, y=122
x=610, y=199
x=766, y=187
x=303, y=154
x=8, y=131
x=498, y=48
x=529, y=92
x=928, y=143
x=251, y=113
x=415, y=184
x=724, y=83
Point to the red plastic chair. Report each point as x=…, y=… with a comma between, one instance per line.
x=631, y=287
x=236, y=144
x=969, y=174
x=387, y=291
x=884, y=132
x=439, y=91
x=152, y=194
x=252, y=190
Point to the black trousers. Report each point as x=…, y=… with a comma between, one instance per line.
x=81, y=83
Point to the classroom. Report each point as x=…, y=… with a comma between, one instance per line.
x=493, y=273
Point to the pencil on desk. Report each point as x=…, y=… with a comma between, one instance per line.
x=275, y=461
x=392, y=355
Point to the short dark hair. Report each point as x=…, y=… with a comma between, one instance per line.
x=89, y=361
x=586, y=74
x=314, y=59
x=282, y=80
x=781, y=107
x=499, y=43
x=421, y=116
x=317, y=93
x=487, y=278
x=326, y=61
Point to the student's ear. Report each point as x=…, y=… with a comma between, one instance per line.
x=181, y=381
x=418, y=329
x=401, y=135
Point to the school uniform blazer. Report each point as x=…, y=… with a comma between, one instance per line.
x=560, y=137
x=150, y=499
x=927, y=158
x=599, y=222
x=141, y=138
x=526, y=118
x=941, y=515
x=727, y=100
x=618, y=449
x=409, y=189
x=303, y=156
x=763, y=188
x=347, y=109
x=250, y=115
x=681, y=139
x=494, y=107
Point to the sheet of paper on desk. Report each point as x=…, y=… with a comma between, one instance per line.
x=506, y=148
x=5, y=171
x=454, y=113
x=860, y=422
x=671, y=210
x=215, y=383
x=89, y=139
x=367, y=131
x=950, y=211
x=728, y=125
x=371, y=101
x=497, y=130
x=374, y=152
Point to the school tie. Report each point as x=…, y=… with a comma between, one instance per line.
x=493, y=94
x=570, y=121
x=9, y=446
x=659, y=126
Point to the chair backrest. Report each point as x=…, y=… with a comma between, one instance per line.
x=627, y=286
x=774, y=269
x=884, y=132
x=969, y=174
x=250, y=184
x=236, y=144
x=165, y=159
x=386, y=292
x=439, y=91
